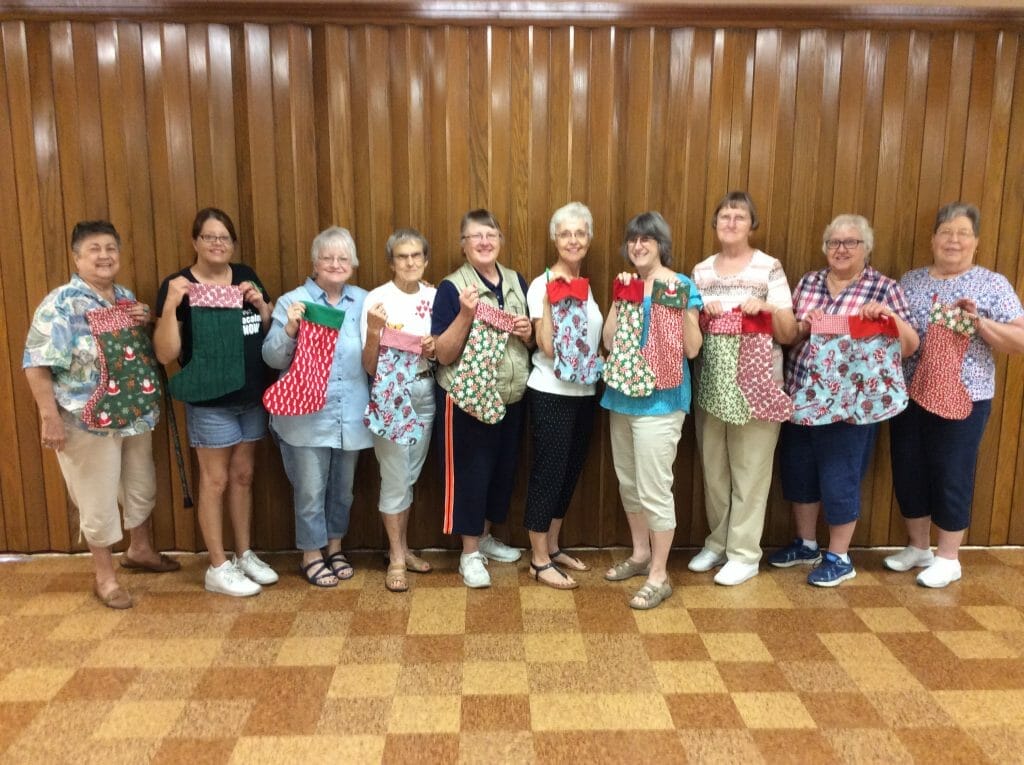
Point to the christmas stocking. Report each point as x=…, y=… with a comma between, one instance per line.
x=303, y=388
x=217, y=366
x=389, y=413
x=575, y=361
x=854, y=374
x=473, y=389
x=664, y=349
x=937, y=385
x=881, y=391
x=719, y=395
x=129, y=376
x=765, y=397
x=626, y=369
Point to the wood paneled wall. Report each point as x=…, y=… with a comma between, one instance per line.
x=294, y=127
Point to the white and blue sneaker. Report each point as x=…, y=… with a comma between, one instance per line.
x=795, y=554
x=832, y=571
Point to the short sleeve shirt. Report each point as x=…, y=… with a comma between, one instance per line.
x=996, y=300
x=59, y=338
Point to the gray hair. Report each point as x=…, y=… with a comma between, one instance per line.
x=401, y=236
x=650, y=224
x=572, y=211
x=956, y=210
x=334, y=237
x=858, y=222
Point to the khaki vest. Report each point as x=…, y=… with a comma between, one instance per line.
x=515, y=364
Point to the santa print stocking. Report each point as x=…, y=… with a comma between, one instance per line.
x=626, y=369
x=719, y=395
x=473, y=388
x=575, y=361
x=766, y=398
x=937, y=385
x=129, y=376
x=217, y=366
x=664, y=349
x=303, y=388
x=390, y=414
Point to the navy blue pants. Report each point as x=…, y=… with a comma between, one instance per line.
x=933, y=463
x=478, y=463
x=560, y=428
x=826, y=463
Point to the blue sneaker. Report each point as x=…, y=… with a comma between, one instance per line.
x=831, y=571
x=795, y=553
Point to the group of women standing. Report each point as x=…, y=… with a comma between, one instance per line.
x=401, y=364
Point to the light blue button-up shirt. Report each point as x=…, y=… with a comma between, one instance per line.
x=339, y=425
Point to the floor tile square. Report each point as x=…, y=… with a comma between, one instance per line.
x=703, y=711
x=494, y=677
x=599, y=711
x=491, y=713
x=773, y=710
x=976, y=644
x=890, y=619
x=554, y=647
x=425, y=714
x=140, y=719
x=689, y=677
x=737, y=646
x=359, y=680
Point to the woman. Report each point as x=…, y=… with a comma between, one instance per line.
x=480, y=455
x=561, y=400
x=222, y=380
x=404, y=303
x=737, y=459
x=822, y=465
x=63, y=362
x=645, y=429
x=320, y=446
x=934, y=455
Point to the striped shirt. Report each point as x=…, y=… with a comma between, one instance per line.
x=812, y=293
x=763, y=278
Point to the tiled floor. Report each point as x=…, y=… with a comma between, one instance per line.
x=876, y=670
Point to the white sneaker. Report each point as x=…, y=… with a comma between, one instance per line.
x=473, y=567
x=229, y=579
x=705, y=560
x=908, y=558
x=734, y=572
x=940, y=574
x=254, y=568
x=499, y=551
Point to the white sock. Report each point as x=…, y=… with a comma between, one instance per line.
x=811, y=544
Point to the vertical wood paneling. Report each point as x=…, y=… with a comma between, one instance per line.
x=294, y=127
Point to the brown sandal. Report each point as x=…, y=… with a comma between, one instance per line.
x=395, y=580
x=416, y=564
x=565, y=583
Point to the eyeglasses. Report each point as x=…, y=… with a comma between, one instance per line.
x=408, y=257
x=737, y=218
x=565, y=236
x=638, y=240
x=214, y=239
x=960, y=233
x=480, y=236
x=339, y=260
x=847, y=244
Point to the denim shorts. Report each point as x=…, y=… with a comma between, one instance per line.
x=217, y=427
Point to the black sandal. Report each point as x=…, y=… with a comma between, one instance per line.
x=340, y=566
x=560, y=553
x=319, y=577
x=565, y=585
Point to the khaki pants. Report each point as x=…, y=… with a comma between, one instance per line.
x=644, y=450
x=737, y=461
x=101, y=471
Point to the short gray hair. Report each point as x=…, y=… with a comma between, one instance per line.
x=334, y=237
x=401, y=236
x=857, y=221
x=956, y=210
x=572, y=211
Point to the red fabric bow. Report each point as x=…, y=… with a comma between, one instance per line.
x=634, y=292
x=559, y=289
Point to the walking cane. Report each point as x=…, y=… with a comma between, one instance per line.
x=172, y=422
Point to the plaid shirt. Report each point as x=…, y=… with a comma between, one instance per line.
x=812, y=293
